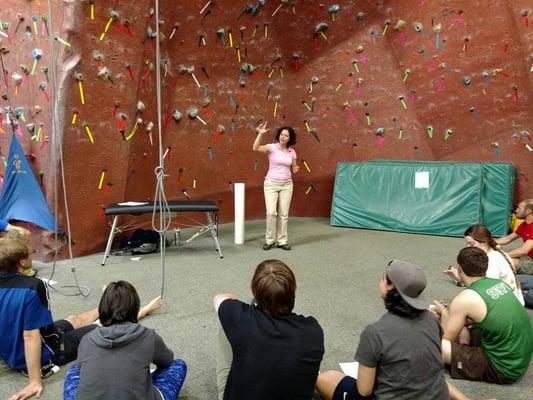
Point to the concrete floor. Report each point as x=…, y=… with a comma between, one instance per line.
x=337, y=271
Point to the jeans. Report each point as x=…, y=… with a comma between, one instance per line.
x=526, y=283
x=166, y=381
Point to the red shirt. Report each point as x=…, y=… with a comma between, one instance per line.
x=525, y=231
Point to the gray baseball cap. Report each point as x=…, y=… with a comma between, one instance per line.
x=410, y=281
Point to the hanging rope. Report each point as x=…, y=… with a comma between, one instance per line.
x=80, y=290
x=160, y=200
x=57, y=150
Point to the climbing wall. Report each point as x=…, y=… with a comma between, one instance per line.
x=359, y=80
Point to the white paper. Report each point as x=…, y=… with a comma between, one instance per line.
x=350, y=368
x=422, y=180
x=133, y=203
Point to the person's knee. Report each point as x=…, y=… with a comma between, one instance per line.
x=328, y=376
x=179, y=363
x=327, y=382
x=271, y=214
x=73, y=319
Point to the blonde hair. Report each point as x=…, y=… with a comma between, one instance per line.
x=18, y=236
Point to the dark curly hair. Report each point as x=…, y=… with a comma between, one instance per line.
x=396, y=305
x=292, y=135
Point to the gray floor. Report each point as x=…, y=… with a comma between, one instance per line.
x=337, y=271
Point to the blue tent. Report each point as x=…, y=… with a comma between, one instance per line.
x=22, y=198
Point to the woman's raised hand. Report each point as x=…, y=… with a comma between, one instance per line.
x=261, y=128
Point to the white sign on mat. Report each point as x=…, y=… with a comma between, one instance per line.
x=422, y=180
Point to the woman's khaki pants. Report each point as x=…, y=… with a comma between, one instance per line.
x=278, y=197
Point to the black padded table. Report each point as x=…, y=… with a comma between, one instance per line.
x=210, y=208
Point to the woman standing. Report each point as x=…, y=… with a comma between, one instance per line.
x=278, y=183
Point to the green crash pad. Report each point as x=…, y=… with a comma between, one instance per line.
x=437, y=198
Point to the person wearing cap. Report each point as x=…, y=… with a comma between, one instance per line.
x=497, y=347
x=400, y=354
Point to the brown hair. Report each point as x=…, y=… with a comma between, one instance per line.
x=119, y=303
x=274, y=287
x=481, y=233
x=473, y=261
x=12, y=251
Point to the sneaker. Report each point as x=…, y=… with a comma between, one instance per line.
x=46, y=370
x=267, y=246
x=284, y=246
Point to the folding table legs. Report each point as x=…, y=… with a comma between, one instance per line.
x=110, y=239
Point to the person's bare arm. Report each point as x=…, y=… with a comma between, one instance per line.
x=453, y=320
x=257, y=146
x=454, y=393
x=294, y=166
x=522, y=250
x=366, y=377
x=507, y=239
x=32, y=355
x=219, y=298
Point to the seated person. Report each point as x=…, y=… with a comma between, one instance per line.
x=24, y=238
x=400, y=354
x=114, y=359
x=274, y=353
x=500, y=264
x=523, y=255
x=498, y=347
x=19, y=233
x=30, y=337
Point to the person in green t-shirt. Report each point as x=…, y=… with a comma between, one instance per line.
x=487, y=333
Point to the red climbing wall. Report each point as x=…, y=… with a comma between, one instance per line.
x=418, y=79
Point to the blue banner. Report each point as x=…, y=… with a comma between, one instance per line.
x=22, y=198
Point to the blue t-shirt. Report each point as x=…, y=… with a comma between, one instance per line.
x=3, y=225
x=23, y=306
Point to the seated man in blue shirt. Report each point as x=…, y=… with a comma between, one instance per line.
x=31, y=341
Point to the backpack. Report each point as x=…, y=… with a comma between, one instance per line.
x=141, y=241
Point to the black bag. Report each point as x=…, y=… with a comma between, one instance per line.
x=141, y=241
